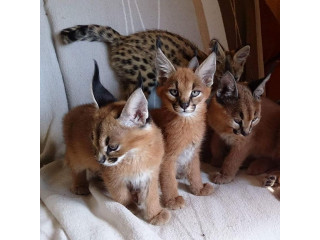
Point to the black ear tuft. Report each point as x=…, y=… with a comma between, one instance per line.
x=272, y=66
x=140, y=81
x=215, y=48
x=195, y=50
x=158, y=42
x=100, y=94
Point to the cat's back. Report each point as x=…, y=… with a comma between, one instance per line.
x=270, y=113
x=177, y=48
x=267, y=134
x=77, y=123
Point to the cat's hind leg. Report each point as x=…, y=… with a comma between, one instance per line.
x=261, y=165
x=80, y=185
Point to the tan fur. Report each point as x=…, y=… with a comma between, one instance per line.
x=181, y=132
x=231, y=148
x=135, y=178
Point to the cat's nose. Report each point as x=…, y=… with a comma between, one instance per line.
x=184, y=105
x=244, y=133
x=102, y=159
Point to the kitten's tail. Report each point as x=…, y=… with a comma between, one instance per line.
x=89, y=33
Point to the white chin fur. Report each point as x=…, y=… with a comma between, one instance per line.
x=119, y=160
x=189, y=112
x=186, y=114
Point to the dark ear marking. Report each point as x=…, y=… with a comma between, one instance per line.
x=195, y=51
x=257, y=87
x=158, y=42
x=227, y=87
x=101, y=95
x=140, y=81
x=215, y=48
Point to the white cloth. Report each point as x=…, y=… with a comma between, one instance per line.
x=238, y=210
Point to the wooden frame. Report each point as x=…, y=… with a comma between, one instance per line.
x=248, y=19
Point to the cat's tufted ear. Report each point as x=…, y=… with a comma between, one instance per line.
x=194, y=63
x=139, y=81
x=257, y=87
x=163, y=65
x=242, y=54
x=216, y=47
x=227, y=87
x=135, y=112
x=207, y=69
x=101, y=96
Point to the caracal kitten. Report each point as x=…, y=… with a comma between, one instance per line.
x=182, y=119
x=119, y=141
x=246, y=127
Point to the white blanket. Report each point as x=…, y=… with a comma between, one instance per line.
x=239, y=210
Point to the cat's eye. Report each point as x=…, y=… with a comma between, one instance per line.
x=237, y=121
x=195, y=93
x=113, y=147
x=173, y=92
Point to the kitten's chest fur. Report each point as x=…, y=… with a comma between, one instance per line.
x=184, y=131
x=138, y=186
x=184, y=159
x=182, y=135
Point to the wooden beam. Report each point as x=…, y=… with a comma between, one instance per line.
x=255, y=65
x=248, y=19
x=274, y=6
x=202, y=24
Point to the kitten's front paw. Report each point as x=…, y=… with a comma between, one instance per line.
x=175, y=203
x=219, y=178
x=162, y=218
x=206, y=190
x=269, y=181
x=80, y=190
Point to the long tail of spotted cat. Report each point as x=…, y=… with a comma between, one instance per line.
x=89, y=33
